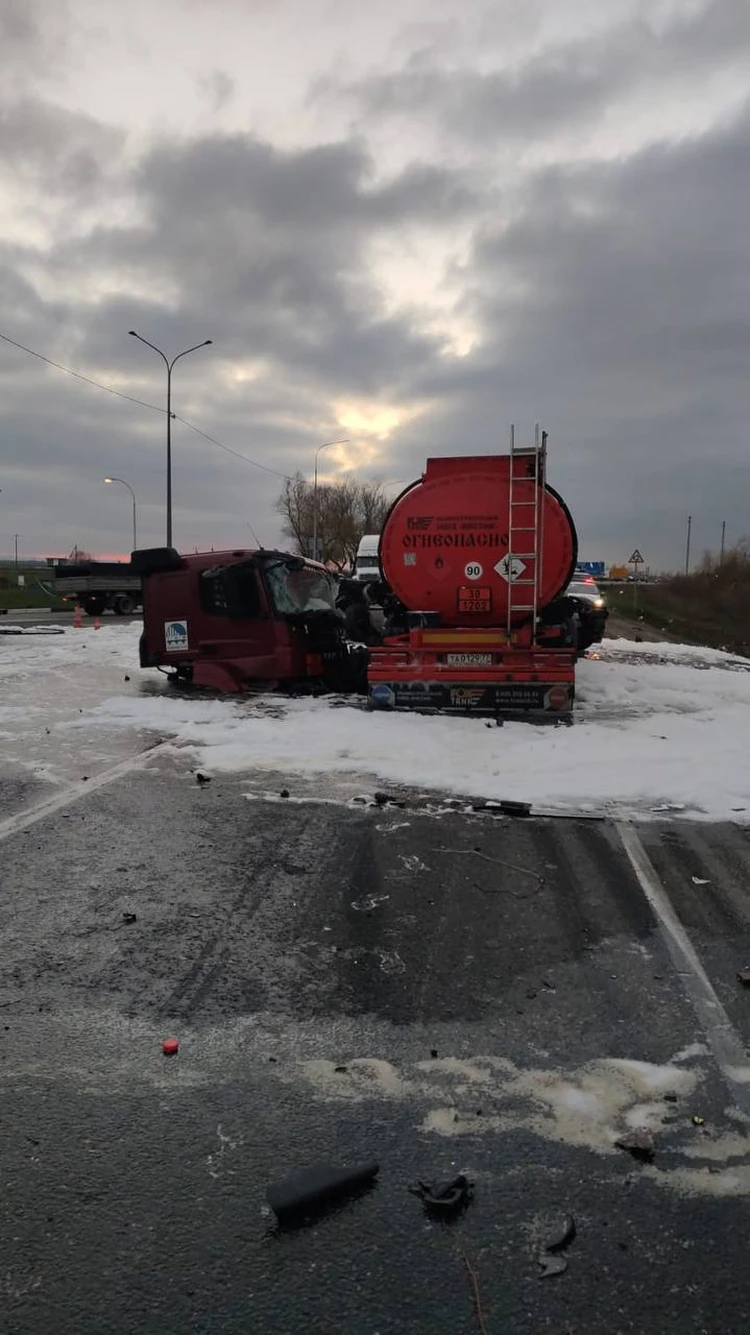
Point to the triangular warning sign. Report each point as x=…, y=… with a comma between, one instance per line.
x=636, y=559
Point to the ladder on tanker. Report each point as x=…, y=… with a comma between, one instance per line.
x=525, y=526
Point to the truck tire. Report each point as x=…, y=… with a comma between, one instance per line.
x=94, y=605
x=124, y=604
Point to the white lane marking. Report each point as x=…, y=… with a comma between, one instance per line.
x=724, y=1041
x=75, y=791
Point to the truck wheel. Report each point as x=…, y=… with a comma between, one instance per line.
x=94, y=606
x=124, y=604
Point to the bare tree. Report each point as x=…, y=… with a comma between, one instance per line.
x=346, y=511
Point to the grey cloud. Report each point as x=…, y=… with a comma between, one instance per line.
x=31, y=33
x=616, y=307
x=264, y=251
x=270, y=249
x=218, y=88
x=63, y=152
x=610, y=300
x=564, y=86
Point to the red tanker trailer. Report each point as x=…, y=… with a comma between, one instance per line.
x=478, y=553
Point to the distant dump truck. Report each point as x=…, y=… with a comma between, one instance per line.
x=99, y=586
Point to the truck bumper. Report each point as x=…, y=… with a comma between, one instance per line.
x=520, y=682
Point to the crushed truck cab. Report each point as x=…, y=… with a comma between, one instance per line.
x=228, y=621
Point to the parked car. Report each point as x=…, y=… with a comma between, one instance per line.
x=591, y=609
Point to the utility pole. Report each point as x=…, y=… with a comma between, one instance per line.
x=15, y=540
x=723, y=536
x=687, y=548
x=169, y=365
x=325, y=446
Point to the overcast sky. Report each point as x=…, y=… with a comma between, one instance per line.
x=408, y=223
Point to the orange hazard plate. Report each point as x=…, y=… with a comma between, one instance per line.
x=472, y=599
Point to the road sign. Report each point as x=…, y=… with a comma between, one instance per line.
x=510, y=568
x=636, y=559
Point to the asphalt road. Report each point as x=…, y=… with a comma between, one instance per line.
x=440, y=992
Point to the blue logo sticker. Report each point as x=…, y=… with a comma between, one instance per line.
x=175, y=635
x=382, y=694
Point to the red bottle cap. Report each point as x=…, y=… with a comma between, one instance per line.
x=170, y=1047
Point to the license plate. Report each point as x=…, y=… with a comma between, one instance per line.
x=473, y=599
x=469, y=660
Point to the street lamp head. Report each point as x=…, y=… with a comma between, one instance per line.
x=132, y=333
x=208, y=340
x=109, y=479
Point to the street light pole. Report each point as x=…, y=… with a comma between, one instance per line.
x=325, y=446
x=169, y=364
x=123, y=483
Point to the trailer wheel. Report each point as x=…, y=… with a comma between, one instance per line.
x=123, y=604
x=95, y=605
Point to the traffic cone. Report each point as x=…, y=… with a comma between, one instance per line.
x=78, y=617
x=98, y=624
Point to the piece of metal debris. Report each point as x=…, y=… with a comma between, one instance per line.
x=639, y=1142
x=698, y=880
x=310, y=1189
x=129, y=918
x=552, y=1265
x=562, y=1236
x=699, y=1121
x=444, y=1197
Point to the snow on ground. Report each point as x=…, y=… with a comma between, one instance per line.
x=655, y=724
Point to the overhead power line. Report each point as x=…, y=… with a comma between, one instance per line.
x=87, y=379
x=142, y=404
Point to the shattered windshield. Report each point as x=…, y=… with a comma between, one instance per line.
x=296, y=592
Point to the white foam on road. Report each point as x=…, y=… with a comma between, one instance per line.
x=655, y=724
x=646, y=734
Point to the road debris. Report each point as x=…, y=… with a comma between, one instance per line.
x=744, y=977
x=560, y=1237
x=699, y=1121
x=312, y=1188
x=444, y=1197
x=639, y=1142
x=368, y=903
x=130, y=918
x=552, y=1265
x=284, y=792
x=170, y=1047
x=474, y=1280
x=698, y=880
x=202, y=778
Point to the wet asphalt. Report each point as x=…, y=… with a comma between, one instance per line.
x=440, y=993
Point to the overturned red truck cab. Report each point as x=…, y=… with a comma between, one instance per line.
x=230, y=621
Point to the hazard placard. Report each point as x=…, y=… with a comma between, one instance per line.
x=636, y=559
